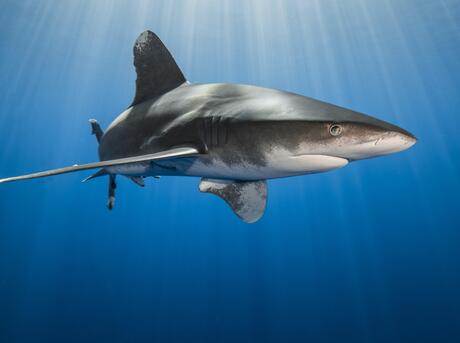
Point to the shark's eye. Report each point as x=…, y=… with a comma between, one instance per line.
x=335, y=130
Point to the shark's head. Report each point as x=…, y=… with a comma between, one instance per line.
x=318, y=136
x=339, y=132
x=296, y=135
x=364, y=137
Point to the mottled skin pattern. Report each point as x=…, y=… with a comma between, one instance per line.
x=237, y=125
x=247, y=199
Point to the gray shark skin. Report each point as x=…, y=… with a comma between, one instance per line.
x=245, y=132
x=233, y=136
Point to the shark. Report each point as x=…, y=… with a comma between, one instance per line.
x=234, y=137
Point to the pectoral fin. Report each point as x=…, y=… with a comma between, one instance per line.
x=247, y=199
x=167, y=154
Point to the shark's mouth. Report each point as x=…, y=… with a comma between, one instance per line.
x=311, y=163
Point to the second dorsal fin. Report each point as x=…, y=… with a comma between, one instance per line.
x=157, y=72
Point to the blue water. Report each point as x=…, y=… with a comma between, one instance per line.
x=369, y=253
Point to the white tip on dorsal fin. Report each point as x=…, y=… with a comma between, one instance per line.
x=247, y=199
x=157, y=72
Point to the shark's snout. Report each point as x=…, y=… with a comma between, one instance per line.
x=394, y=141
x=383, y=143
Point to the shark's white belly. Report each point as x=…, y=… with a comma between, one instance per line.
x=278, y=166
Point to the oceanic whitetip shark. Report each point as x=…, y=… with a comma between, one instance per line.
x=234, y=137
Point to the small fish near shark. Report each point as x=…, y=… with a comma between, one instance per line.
x=235, y=137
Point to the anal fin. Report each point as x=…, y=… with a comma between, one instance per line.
x=247, y=199
x=138, y=180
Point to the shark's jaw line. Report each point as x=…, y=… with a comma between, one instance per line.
x=277, y=165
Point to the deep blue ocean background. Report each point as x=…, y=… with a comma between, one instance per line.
x=369, y=253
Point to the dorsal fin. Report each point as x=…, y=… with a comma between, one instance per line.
x=157, y=72
x=247, y=199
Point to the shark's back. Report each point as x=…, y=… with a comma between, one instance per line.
x=235, y=101
x=239, y=102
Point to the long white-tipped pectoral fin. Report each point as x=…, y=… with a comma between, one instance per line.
x=167, y=154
